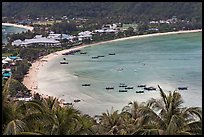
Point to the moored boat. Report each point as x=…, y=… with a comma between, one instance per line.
x=83, y=52
x=101, y=56
x=129, y=87
x=64, y=62
x=111, y=54
x=94, y=57
x=140, y=91
x=141, y=86
x=122, y=90
x=86, y=84
x=109, y=88
x=149, y=88
x=182, y=88
x=66, y=103
x=122, y=85
x=77, y=100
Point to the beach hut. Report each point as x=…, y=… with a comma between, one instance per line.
x=13, y=64
x=13, y=57
x=4, y=62
x=7, y=75
x=19, y=59
x=7, y=70
x=8, y=59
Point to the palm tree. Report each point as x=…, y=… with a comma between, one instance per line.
x=20, y=117
x=66, y=121
x=167, y=116
x=86, y=125
x=110, y=123
x=132, y=117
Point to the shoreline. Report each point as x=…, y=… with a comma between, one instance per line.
x=30, y=80
x=19, y=26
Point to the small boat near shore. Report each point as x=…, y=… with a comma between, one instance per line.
x=122, y=86
x=182, y=88
x=64, y=62
x=140, y=91
x=101, y=56
x=141, y=86
x=44, y=60
x=122, y=90
x=94, y=57
x=66, y=103
x=149, y=88
x=83, y=52
x=85, y=85
x=108, y=88
x=111, y=54
x=119, y=69
x=129, y=87
x=77, y=100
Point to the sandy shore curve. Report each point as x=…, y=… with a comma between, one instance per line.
x=19, y=26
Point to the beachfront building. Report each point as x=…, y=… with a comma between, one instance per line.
x=60, y=37
x=86, y=35
x=7, y=64
x=37, y=40
x=107, y=28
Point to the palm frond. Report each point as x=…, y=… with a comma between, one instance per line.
x=29, y=133
x=14, y=127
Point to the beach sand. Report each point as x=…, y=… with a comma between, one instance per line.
x=30, y=80
x=20, y=26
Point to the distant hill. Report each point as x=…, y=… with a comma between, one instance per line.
x=135, y=10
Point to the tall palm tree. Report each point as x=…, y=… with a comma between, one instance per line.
x=132, y=117
x=66, y=121
x=167, y=116
x=110, y=123
x=21, y=117
x=86, y=125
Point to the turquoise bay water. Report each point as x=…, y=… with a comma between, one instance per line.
x=169, y=61
x=10, y=30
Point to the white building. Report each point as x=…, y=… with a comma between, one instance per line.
x=60, y=36
x=109, y=26
x=38, y=39
x=85, y=35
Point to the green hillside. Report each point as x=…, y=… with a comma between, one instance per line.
x=134, y=10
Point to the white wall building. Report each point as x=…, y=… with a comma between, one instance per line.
x=84, y=35
x=36, y=40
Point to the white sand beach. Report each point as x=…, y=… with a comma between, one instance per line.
x=20, y=26
x=30, y=80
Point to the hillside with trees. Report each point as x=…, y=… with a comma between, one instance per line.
x=137, y=11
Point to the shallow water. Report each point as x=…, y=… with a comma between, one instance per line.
x=10, y=30
x=169, y=61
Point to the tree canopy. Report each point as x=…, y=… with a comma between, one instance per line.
x=120, y=10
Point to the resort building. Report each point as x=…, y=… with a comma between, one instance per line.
x=60, y=36
x=37, y=40
x=86, y=35
x=107, y=28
